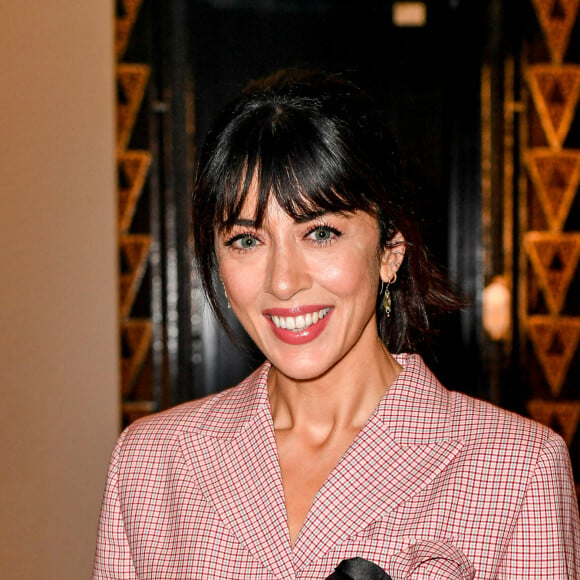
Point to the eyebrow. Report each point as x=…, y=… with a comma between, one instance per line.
x=245, y=223
x=312, y=215
x=224, y=227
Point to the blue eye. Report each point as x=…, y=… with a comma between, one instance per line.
x=243, y=242
x=323, y=234
x=247, y=242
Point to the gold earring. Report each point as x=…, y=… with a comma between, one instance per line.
x=387, y=301
x=226, y=294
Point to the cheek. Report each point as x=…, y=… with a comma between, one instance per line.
x=240, y=283
x=352, y=274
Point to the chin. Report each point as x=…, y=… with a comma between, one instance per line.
x=298, y=369
x=302, y=376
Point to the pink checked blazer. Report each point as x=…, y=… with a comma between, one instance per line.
x=437, y=485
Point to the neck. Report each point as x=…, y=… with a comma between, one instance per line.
x=342, y=398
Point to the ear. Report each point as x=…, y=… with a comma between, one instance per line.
x=392, y=258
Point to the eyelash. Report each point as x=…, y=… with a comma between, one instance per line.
x=324, y=228
x=317, y=228
x=243, y=235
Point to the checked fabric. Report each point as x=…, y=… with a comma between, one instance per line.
x=436, y=485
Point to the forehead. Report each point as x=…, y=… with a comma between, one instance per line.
x=256, y=199
x=275, y=217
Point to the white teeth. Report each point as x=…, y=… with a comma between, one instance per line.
x=299, y=322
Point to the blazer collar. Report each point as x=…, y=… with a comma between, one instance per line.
x=233, y=454
x=417, y=408
x=232, y=451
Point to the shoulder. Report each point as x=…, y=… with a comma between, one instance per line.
x=480, y=421
x=484, y=428
x=506, y=444
x=220, y=414
x=501, y=452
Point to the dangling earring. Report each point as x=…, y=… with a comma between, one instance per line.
x=387, y=302
x=226, y=294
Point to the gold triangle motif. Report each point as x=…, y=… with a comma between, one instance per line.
x=554, y=257
x=136, y=339
x=555, y=90
x=127, y=14
x=134, y=253
x=133, y=168
x=555, y=175
x=129, y=8
x=556, y=19
x=123, y=29
x=563, y=416
x=555, y=340
x=131, y=83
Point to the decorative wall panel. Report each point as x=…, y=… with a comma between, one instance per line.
x=557, y=18
x=133, y=168
x=561, y=415
x=554, y=259
x=131, y=84
x=555, y=90
x=136, y=330
x=548, y=225
x=134, y=255
x=135, y=341
x=127, y=11
x=555, y=176
x=555, y=340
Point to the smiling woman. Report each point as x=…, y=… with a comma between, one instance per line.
x=316, y=146
x=305, y=291
x=342, y=446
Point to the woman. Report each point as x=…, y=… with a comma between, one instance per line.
x=343, y=444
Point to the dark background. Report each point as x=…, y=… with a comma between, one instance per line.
x=203, y=52
x=426, y=78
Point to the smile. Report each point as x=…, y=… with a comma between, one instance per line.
x=299, y=325
x=301, y=322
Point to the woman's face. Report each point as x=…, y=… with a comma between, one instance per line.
x=305, y=291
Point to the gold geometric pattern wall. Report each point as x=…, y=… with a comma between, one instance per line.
x=552, y=248
x=134, y=248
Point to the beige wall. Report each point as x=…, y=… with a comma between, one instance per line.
x=58, y=344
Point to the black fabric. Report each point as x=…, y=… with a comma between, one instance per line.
x=358, y=569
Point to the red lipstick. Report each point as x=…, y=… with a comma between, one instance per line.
x=313, y=320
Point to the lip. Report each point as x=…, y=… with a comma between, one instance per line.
x=296, y=310
x=302, y=336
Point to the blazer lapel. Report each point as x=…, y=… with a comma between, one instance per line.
x=410, y=427
x=235, y=462
x=238, y=471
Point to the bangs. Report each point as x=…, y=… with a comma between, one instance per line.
x=302, y=163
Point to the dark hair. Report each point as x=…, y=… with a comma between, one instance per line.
x=317, y=143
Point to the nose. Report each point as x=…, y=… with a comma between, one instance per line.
x=287, y=271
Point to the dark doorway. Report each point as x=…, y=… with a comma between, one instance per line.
x=426, y=77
